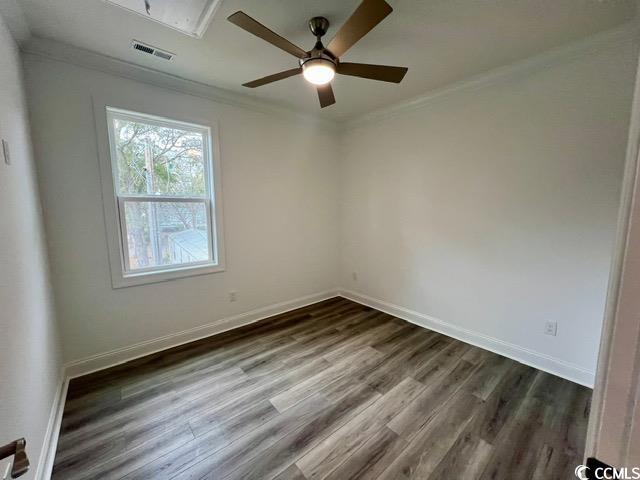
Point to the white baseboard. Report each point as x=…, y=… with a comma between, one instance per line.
x=94, y=363
x=50, y=444
x=541, y=361
x=122, y=355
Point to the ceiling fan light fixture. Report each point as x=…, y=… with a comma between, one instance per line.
x=318, y=71
x=321, y=64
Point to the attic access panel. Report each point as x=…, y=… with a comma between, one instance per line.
x=191, y=17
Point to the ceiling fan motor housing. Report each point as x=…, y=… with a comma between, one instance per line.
x=319, y=54
x=319, y=26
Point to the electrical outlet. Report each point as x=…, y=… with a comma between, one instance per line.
x=5, y=152
x=354, y=276
x=551, y=328
x=233, y=296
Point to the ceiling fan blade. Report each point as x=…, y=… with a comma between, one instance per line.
x=369, y=14
x=247, y=23
x=273, y=78
x=384, y=73
x=325, y=94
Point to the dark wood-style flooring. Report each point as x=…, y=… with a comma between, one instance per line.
x=334, y=391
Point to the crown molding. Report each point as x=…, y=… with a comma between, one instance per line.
x=66, y=53
x=628, y=32
x=62, y=52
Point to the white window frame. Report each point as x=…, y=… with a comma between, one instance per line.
x=121, y=275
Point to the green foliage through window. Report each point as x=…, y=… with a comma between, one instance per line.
x=158, y=160
x=155, y=160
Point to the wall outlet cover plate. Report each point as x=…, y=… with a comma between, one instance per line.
x=551, y=328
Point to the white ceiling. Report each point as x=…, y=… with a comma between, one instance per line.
x=441, y=41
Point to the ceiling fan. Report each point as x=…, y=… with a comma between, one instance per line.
x=319, y=65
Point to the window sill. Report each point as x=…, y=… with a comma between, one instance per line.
x=131, y=280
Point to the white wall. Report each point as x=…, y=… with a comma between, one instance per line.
x=30, y=365
x=493, y=208
x=279, y=200
x=489, y=209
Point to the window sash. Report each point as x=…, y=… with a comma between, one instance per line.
x=207, y=153
x=155, y=121
x=124, y=234
x=106, y=106
x=162, y=198
x=208, y=199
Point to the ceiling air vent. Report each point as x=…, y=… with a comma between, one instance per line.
x=149, y=50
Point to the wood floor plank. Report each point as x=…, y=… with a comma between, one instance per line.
x=209, y=416
x=439, y=360
x=221, y=454
x=360, y=339
x=554, y=464
x=419, y=412
x=430, y=444
x=334, y=390
x=493, y=369
x=365, y=462
x=291, y=473
x=468, y=456
x=107, y=423
x=389, y=343
x=350, y=362
x=333, y=450
x=132, y=431
x=209, y=365
x=318, y=346
x=397, y=363
x=523, y=434
x=502, y=405
x=291, y=447
x=471, y=452
x=124, y=462
x=262, y=388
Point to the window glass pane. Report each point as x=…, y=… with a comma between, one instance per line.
x=160, y=160
x=166, y=233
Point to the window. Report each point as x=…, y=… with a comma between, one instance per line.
x=162, y=174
